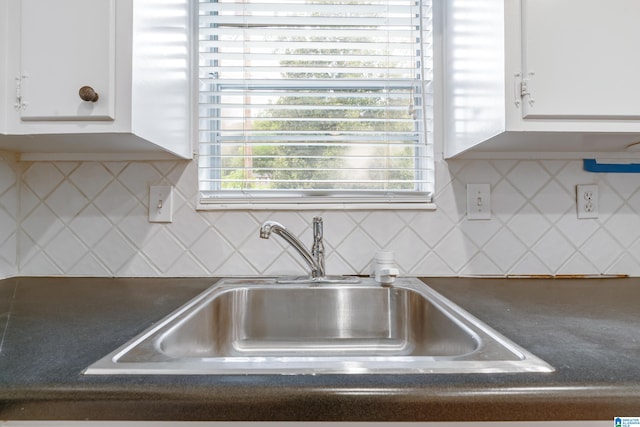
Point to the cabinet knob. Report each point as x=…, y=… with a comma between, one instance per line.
x=88, y=94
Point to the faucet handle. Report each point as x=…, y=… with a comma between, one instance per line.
x=317, y=227
x=317, y=250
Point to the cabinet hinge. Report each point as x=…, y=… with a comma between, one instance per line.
x=523, y=89
x=20, y=105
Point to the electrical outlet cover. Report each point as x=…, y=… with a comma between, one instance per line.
x=587, y=201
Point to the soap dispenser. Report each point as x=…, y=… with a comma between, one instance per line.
x=384, y=268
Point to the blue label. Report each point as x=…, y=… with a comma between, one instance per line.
x=626, y=421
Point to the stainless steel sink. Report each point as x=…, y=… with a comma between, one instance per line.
x=259, y=326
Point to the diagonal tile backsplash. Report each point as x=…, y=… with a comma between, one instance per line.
x=9, y=189
x=90, y=218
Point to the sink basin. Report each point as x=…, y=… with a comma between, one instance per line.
x=262, y=326
x=342, y=321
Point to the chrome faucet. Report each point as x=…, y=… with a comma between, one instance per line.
x=315, y=258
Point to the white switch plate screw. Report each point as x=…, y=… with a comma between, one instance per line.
x=587, y=201
x=478, y=201
x=161, y=203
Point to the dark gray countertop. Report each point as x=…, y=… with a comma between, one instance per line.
x=51, y=329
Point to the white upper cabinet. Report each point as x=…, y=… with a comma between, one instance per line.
x=541, y=78
x=581, y=59
x=99, y=79
x=67, y=45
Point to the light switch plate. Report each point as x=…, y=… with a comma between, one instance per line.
x=478, y=201
x=161, y=203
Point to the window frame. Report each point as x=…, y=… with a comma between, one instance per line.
x=342, y=200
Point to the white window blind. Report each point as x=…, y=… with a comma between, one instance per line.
x=317, y=100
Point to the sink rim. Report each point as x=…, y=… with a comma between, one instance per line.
x=491, y=341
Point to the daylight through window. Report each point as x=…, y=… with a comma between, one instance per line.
x=317, y=100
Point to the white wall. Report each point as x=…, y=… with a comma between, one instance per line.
x=9, y=183
x=90, y=218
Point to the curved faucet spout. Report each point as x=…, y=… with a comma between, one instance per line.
x=317, y=268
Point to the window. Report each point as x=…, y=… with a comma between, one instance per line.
x=315, y=101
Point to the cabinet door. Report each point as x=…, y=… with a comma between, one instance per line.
x=65, y=45
x=580, y=59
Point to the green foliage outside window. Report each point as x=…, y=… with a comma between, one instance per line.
x=347, y=159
